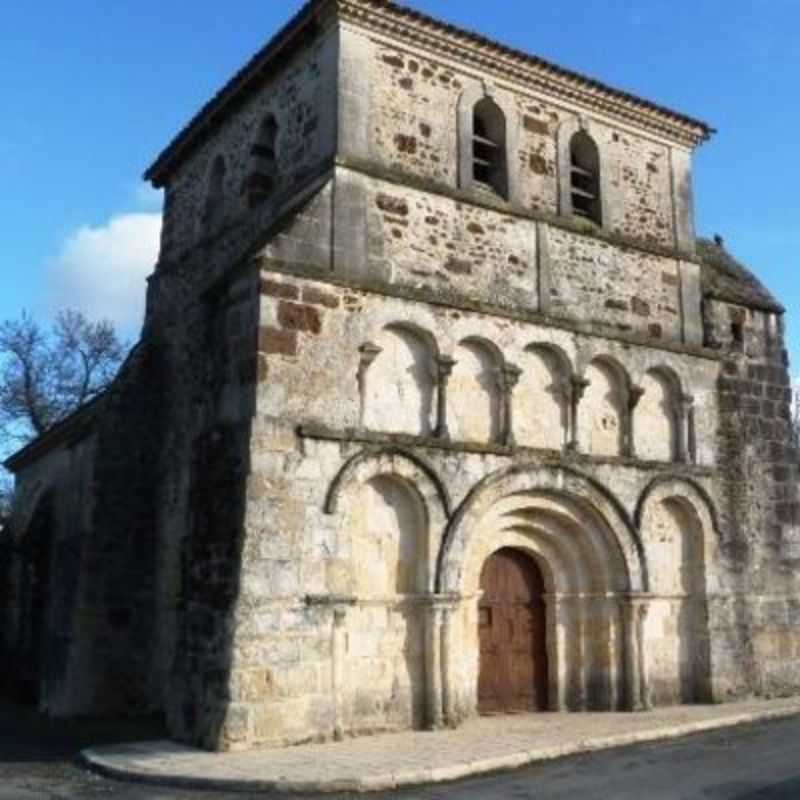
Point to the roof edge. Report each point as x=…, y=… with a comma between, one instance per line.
x=279, y=45
x=358, y=10
x=68, y=429
x=400, y=21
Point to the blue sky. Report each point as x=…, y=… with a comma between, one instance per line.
x=91, y=91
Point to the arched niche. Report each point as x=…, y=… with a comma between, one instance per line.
x=263, y=174
x=390, y=510
x=386, y=522
x=474, y=393
x=214, y=209
x=542, y=397
x=602, y=412
x=419, y=483
x=400, y=383
x=655, y=423
x=677, y=525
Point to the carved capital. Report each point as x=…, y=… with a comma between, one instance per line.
x=635, y=394
x=511, y=376
x=579, y=386
x=369, y=352
x=444, y=366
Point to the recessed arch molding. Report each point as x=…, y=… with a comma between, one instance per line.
x=390, y=461
x=544, y=479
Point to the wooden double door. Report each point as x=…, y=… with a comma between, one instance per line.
x=512, y=633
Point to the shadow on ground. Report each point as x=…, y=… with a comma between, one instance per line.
x=26, y=736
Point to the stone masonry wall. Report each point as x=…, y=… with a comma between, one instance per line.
x=301, y=97
x=755, y=626
x=413, y=129
x=631, y=290
x=57, y=486
x=298, y=558
x=375, y=232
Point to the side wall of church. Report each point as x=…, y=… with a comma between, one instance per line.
x=52, y=514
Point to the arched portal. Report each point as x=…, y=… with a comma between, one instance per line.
x=512, y=628
x=593, y=577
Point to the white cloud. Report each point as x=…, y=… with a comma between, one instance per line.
x=102, y=270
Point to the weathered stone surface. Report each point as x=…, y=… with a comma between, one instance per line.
x=349, y=395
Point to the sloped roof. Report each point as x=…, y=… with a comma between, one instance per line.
x=305, y=25
x=726, y=278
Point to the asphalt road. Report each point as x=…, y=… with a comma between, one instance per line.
x=757, y=762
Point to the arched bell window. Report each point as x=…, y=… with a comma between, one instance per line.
x=585, y=178
x=489, y=160
x=215, y=195
x=263, y=175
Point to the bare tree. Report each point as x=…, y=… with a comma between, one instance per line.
x=46, y=373
x=6, y=497
x=795, y=420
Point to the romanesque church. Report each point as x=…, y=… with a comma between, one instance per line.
x=440, y=408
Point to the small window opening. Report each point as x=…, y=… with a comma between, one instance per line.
x=215, y=198
x=737, y=335
x=585, y=178
x=263, y=177
x=488, y=147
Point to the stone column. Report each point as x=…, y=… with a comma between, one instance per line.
x=369, y=352
x=578, y=386
x=510, y=378
x=612, y=613
x=637, y=692
x=444, y=369
x=449, y=646
x=433, y=665
x=338, y=653
x=684, y=429
x=556, y=654
x=628, y=442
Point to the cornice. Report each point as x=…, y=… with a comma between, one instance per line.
x=409, y=27
x=394, y=21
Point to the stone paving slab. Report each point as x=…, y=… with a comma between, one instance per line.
x=411, y=758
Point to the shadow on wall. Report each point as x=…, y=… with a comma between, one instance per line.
x=30, y=578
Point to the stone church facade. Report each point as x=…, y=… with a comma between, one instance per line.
x=440, y=407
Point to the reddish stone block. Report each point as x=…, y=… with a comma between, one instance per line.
x=406, y=144
x=392, y=205
x=536, y=126
x=640, y=307
x=458, y=266
x=277, y=341
x=319, y=298
x=273, y=288
x=297, y=317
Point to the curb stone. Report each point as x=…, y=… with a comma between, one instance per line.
x=106, y=762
